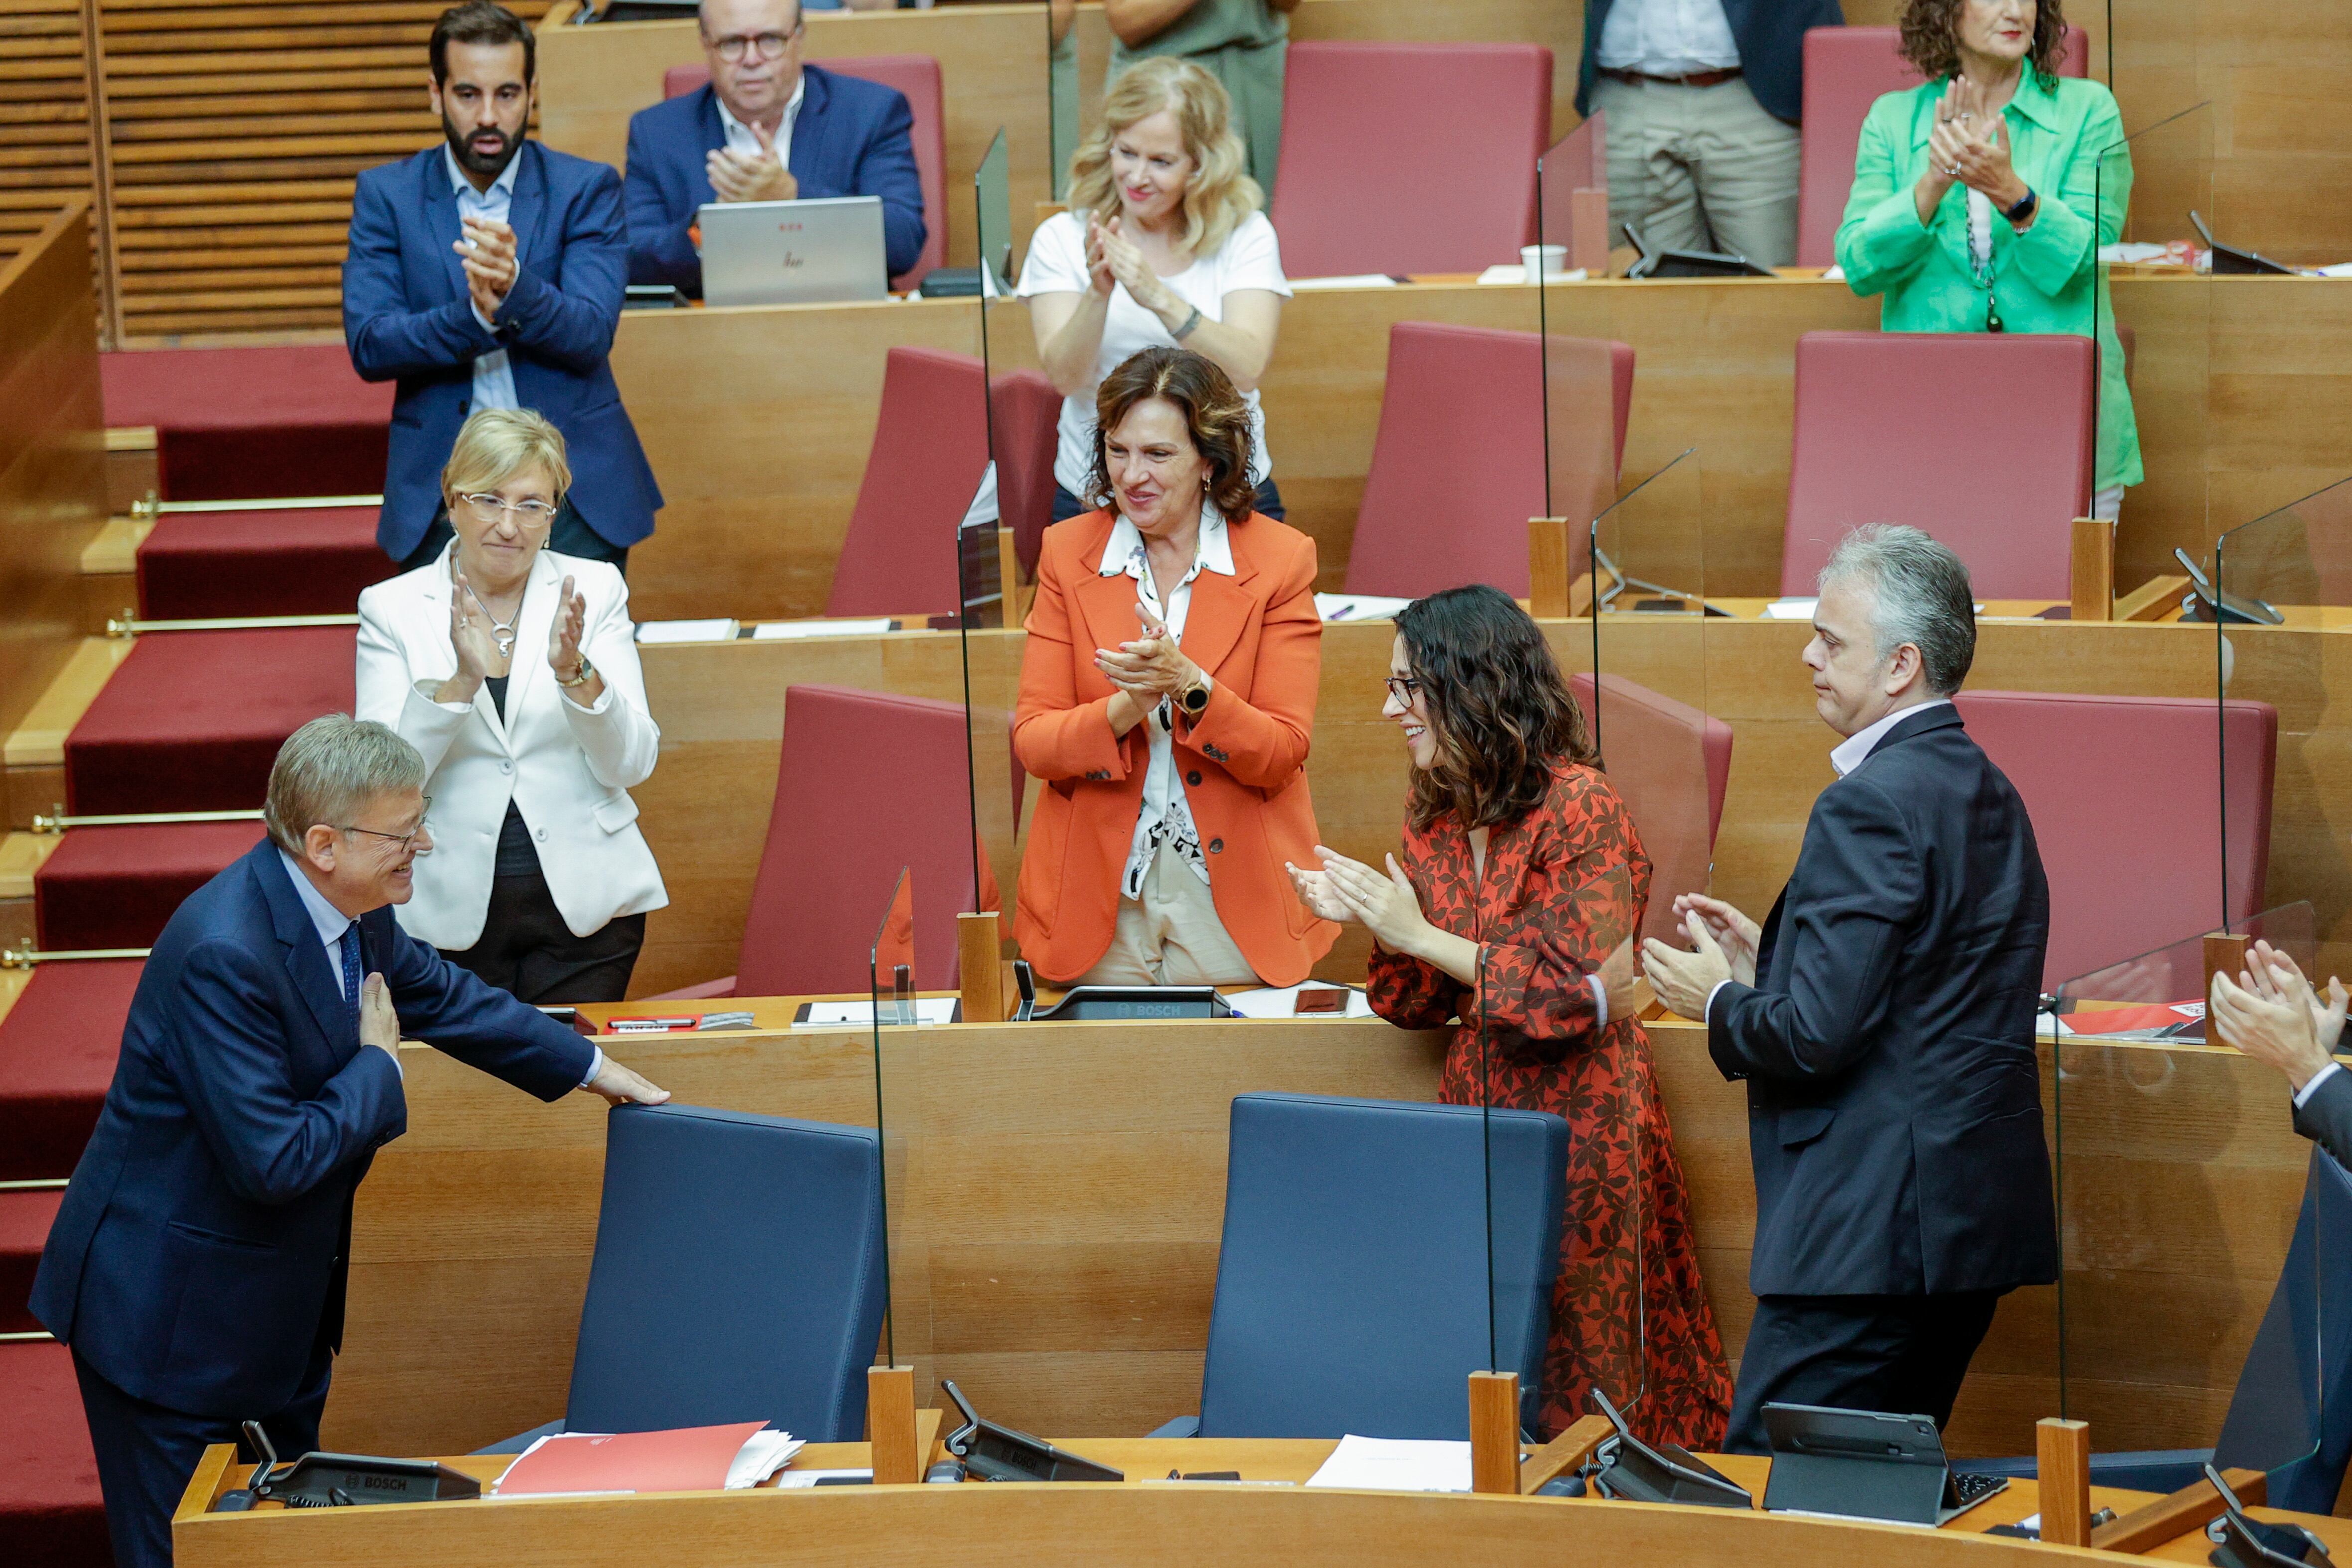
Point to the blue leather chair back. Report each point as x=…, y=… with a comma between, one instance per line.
x=2292, y=1412
x=1353, y=1283
x=738, y=1275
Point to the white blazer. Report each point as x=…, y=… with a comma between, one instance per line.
x=569, y=768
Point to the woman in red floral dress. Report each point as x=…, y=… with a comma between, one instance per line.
x=1517, y=853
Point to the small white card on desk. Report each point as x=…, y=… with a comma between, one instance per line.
x=1282, y=1002
x=1351, y=280
x=719, y=629
x=770, y=631
x=1790, y=610
x=1394, y=1463
x=821, y=1015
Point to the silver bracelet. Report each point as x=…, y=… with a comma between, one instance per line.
x=1190, y=322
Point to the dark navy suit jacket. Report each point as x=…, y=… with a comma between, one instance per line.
x=407, y=318
x=1894, y=1103
x=853, y=138
x=1771, y=39
x=200, y=1252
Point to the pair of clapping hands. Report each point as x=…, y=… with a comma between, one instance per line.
x=2272, y=1014
x=1969, y=145
x=751, y=176
x=1151, y=668
x=1113, y=260
x=380, y=1028
x=488, y=253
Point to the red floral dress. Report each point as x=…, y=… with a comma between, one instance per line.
x=1564, y=885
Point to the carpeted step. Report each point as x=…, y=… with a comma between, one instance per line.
x=57, y=1048
x=25, y=1221
x=191, y=721
x=310, y=560
x=51, y=1515
x=115, y=887
x=294, y=420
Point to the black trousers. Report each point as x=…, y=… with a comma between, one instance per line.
x=1902, y=1355
x=1066, y=506
x=570, y=536
x=146, y=1453
x=526, y=948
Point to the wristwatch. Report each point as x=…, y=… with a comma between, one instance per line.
x=1194, y=699
x=2024, y=208
x=579, y=676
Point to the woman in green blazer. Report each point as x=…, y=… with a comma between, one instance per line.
x=2035, y=162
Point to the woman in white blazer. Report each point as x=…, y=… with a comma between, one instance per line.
x=514, y=671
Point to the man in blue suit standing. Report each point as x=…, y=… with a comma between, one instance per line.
x=488, y=272
x=766, y=128
x=197, y=1264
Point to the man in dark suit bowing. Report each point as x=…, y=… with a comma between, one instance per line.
x=488, y=272
x=1883, y=1018
x=766, y=128
x=197, y=1264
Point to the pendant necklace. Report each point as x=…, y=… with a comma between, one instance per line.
x=501, y=634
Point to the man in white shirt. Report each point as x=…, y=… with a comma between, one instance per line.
x=1883, y=1019
x=1702, y=100
x=766, y=128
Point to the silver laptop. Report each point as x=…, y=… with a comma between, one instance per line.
x=816, y=251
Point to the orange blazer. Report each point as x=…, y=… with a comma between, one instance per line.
x=1243, y=762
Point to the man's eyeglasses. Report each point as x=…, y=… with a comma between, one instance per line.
x=423, y=823
x=1403, y=688
x=771, y=45
x=490, y=509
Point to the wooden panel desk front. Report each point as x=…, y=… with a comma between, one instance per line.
x=1144, y=1521
x=1055, y=1233
x=756, y=420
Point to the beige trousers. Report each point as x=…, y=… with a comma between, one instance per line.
x=1171, y=935
x=1700, y=168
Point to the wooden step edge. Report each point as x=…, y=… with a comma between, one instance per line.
x=11, y=985
x=22, y=855
x=115, y=549
x=130, y=438
x=40, y=740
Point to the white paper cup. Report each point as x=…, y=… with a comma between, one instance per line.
x=1543, y=261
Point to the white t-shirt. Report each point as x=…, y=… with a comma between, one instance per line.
x=1250, y=257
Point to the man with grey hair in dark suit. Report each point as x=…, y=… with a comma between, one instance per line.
x=1882, y=1018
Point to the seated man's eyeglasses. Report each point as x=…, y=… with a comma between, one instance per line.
x=401, y=840
x=490, y=509
x=770, y=46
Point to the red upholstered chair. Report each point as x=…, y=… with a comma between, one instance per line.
x=2126, y=801
x=1847, y=69
x=1670, y=763
x=916, y=76
x=929, y=451
x=1458, y=461
x=1027, y=412
x=869, y=782
x=1982, y=439
x=1405, y=158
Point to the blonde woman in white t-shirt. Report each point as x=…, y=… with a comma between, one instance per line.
x=1164, y=244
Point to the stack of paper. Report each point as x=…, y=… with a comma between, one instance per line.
x=1391, y=1464
x=691, y=1459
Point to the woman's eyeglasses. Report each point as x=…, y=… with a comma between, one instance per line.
x=1403, y=688
x=490, y=509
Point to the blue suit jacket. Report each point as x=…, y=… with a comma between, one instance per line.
x=1771, y=39
x=406, y=318
x=200, y=1252
x=854, y=138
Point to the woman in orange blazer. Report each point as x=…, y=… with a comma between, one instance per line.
x=1167, y=699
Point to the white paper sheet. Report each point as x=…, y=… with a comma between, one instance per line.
x=1790, y=610
x=1356, y=606
x=928, y=1010
x=770, y=631
x=1280, y=1002
x=718, y=630
x=1391, y=1464
x=1351, y=280
x=762, y=1455
x=797, y=1479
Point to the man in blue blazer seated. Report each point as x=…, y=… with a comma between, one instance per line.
x=197, y=1264
x=488, y=272
x=1883, y=1020
x=766, y=128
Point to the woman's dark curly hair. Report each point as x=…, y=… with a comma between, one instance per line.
x=1931, y=38
x=1503, y=718
x=1213, y=413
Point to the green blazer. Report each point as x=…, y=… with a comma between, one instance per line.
x=2066, y=140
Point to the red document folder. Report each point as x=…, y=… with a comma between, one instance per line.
x=691, y=1459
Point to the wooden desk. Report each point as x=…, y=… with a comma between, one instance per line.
x=1145, y=1521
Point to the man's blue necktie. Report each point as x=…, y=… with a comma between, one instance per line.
x=351, y=949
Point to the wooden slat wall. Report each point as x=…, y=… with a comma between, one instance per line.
x=46, y=153
x=236, y=128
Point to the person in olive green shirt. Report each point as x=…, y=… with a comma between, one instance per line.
x=1981, y=198
x=1242, y=43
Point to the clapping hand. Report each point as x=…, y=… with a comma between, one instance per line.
x=1099, y=276
x=2272, y=1013
x=751, y=176
x=1317, y=893
x=1733, y=932
x=1150, y=668
x=488, y=253
x=1127, y=265
x=1387, y=905
x=570, y=625
x=470, y=634
x=1683, y=980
